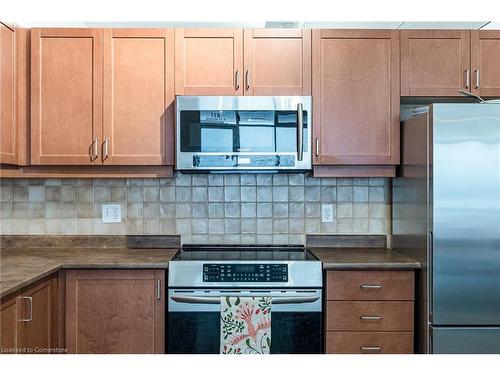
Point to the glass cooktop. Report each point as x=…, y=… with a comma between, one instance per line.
x=244, y=253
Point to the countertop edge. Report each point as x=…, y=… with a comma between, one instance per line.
x=371, y=266
x=22, y=283
x=14, y=285
x=76, y=266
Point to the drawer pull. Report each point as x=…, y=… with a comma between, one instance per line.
x=370, y=348
x=370, y=286
x=373, y=317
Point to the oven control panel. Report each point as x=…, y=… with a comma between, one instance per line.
x=227, y=272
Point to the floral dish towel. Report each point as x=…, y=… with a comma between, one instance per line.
x=245, y=325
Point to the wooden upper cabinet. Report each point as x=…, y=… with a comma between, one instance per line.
x=115, y=311
x=8, y=136
x=66, y=96
x=356, y=97
x=485, y=62
x=435, y=62
x=277, y=62
x=208, y=61
x=138, y=97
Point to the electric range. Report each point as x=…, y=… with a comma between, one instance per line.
x=199, y=275
x=244, y=266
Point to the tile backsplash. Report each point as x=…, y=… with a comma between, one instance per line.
x=215, y=208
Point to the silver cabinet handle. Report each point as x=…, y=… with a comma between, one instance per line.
x=317, y=147
x=300, y=131
x=370, y=317
x=96, y=148
x=106, y=149
x=370, y=348
x=477, y=79
x=247, y=80
x=158, y=289
x=370, y=286
x=30, y=310
x=216, y=300
x=237, y=80
x=467, y=79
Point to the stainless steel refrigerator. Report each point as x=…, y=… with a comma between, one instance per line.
x=446, y=213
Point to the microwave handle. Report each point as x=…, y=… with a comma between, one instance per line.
x=300, y=132
x=216, y=300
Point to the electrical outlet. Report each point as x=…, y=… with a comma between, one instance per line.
x=111, y=213
x=327, y=213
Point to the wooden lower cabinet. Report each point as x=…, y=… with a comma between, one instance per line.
x=370, y=312
x=9, y=326
x=369, y=316
x=115, y=311
x=29, y=319
x=371, y=285
x=369, y=342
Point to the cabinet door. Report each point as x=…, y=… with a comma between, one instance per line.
x=138, y=97
x=277, y=62
x=485, y=62
x=435, y=62
x=208, y=62
x=39, y=310
x=356, y=97
x=7, y=96
x=115, y=311
x=9, y=326
x=66, y=96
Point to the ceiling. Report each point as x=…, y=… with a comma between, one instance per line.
x=466, y=25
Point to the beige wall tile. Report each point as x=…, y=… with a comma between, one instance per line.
x=235, y=208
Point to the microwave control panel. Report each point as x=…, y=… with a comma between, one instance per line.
x=227, y=272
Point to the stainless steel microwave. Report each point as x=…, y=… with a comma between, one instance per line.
x=243, y=133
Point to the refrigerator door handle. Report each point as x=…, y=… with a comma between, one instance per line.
x=430, y=239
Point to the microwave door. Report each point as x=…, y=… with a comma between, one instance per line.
x=238, y=133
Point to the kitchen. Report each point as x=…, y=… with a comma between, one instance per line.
x=284, y=188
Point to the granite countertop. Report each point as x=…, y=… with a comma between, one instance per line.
x=20, y=267
x=340, y=258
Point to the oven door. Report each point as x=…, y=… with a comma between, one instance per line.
x=194, y=320
x=243, y=133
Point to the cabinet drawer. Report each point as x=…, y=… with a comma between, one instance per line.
x=369, y=342
x=369, y=316
x=370, y=285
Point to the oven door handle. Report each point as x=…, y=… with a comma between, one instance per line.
x=216, y=300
